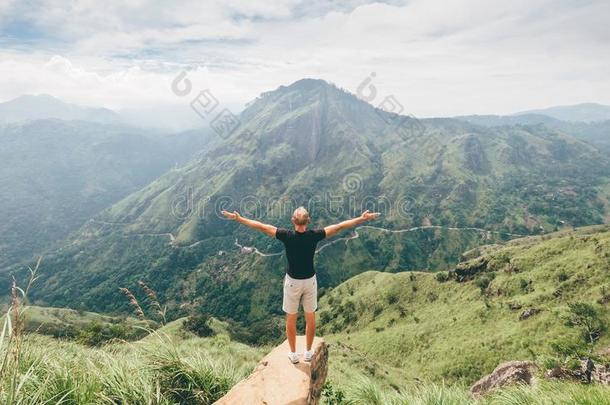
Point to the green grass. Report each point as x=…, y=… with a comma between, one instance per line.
x=416, y=327
x=47, y=318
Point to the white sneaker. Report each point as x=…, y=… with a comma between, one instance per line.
x=294, y=357
x=308, y=355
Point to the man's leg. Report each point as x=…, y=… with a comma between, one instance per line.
x=310, y=328
x=291, y=330
x=310, y=304
x=292, y=296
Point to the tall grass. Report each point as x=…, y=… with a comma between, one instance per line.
x=159, y=370
x=163, y=368
x=11, y=339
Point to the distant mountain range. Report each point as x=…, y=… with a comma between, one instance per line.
x=35, y=107
x=162, y=118
x=314, y=144
x=585, y=112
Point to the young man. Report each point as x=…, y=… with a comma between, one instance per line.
x=300, y=281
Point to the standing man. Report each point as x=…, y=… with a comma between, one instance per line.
x=300, y=282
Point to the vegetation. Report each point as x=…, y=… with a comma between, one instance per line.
x=524, y=312
x=199, y=325
x=544, y=393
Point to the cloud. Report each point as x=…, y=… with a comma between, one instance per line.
x=437, y=57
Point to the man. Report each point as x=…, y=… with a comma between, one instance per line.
x=300, y=282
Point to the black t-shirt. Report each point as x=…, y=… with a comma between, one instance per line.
x=300, y=248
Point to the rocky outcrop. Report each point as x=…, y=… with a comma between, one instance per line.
x=275, y=380
x=467, y=271
x=505, y=374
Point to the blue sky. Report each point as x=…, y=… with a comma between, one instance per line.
x=439, y=58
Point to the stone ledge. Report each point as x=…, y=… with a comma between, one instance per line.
x=276, y=381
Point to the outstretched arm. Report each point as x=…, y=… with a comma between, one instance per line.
x=332, y=230
x=259, y=226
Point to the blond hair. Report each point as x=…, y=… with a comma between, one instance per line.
x=300, y=216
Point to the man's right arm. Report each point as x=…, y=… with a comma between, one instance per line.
x=332, y=230
x=259, y=226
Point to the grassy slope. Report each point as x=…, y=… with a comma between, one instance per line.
x=62, y=317
x=133, y=372
x=451, y=331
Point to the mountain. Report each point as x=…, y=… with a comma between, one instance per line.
x=585, y=112
x=311, y=143
x=43, y=106
x=596, y=133
x=503, y=302
x=57, y=174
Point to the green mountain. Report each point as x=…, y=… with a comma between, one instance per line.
x=313, y=144
x=596, y=133
x=504, y=302
x=57, y=174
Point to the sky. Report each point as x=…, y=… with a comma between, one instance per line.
x=438, y=58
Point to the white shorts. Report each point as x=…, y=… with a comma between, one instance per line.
x=296, y=290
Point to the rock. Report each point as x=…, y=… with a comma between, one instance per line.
x=587, y=373
x=604, y=300
x=587, y=367
x=528, y=312
x=467, y=271
x=601, y=375
x=505, y=374
x=277, y=381
x=558, y=372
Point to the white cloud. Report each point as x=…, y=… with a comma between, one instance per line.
x=438, y=57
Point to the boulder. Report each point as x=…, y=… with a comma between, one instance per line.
x=505, y=374
x=275, y=380
x=528, y=312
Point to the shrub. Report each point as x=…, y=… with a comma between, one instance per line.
x=332, y=395
x=392, y=297
x=402, y=311
x=586, y=318
x=199, y=325
x=442, y=276
x=325, y=317
x=96, y=334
